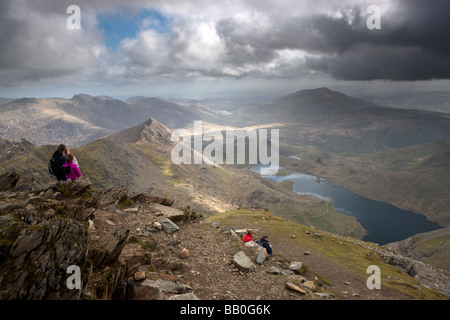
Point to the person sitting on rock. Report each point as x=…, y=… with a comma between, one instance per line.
x=60, y=156
x=248, y=236
x=264, y=242
x=74, y=173
x=74, y=158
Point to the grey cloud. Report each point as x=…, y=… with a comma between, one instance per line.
x=370, y=62
x=412, y=44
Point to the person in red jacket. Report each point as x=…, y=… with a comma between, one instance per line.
x=74, y=170
x=248, y=236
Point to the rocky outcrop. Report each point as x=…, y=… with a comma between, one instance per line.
x=9, y=180
x=39, y=258
x=108, y=247
x=46, y=230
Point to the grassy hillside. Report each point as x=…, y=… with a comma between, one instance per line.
x=147, y=167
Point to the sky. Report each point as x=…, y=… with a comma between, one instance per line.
x=198, y=49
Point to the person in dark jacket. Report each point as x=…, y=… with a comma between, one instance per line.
x=264, y=242
x=60, y=155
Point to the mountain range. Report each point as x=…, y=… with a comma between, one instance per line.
x=320, y=117
x=338, y=123
x=370, y=149
x=84, y=118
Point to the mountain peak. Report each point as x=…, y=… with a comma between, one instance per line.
x=149, y=131
x=321, y=98
x=81, y=97
x=318, y=90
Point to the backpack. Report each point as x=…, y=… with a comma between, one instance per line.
x=56, y=169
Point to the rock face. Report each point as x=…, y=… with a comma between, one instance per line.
x=47, y=230
x=40, y=256
x=108, y=247
x=9, y=180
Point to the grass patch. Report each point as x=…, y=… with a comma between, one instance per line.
x=323, y=279
x=125, y=203
x=146, y=245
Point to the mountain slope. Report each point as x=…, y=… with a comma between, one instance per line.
x=84, y=118
x=338, y=123
x=132, y=159
x=129, y=247
x=430, y=247
x=339, y=263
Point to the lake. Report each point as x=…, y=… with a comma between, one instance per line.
x=384, y=222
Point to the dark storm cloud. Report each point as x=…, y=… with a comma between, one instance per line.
x=411, y=45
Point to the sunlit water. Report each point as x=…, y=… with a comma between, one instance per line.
x=384, y=222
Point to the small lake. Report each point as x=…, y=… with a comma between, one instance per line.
x=384, y=222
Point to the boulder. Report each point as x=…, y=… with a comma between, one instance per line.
x=260, y=258
x=251, y=244
x=184, y=253
x=166, y=224
x=140, y=275
x=184, y=296
x=148, y=198
x=164, y=285
x=404, y=263
x=243, y=263
x=310, y=285
x=274, y=270
x=294, y=266
x=323, y=295
x=147, y=293
x=168, y=212
x=293, y=287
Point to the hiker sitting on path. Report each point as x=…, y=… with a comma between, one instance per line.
x=74, y=170
x=264, y=242
x=248, y=236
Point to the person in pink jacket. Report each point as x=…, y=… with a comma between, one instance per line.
x=74, y=173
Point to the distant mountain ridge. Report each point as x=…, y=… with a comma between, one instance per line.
x=320, y=117
x=339, y=123
x=83, y=118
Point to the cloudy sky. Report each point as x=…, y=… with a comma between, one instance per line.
x=202, y=48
